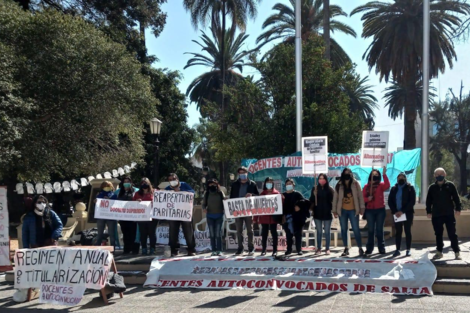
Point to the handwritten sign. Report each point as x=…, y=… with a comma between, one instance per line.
x=260, y=205
x=314, y=155
x=174, y=206
x=374, y=149
x=123, y=210
x=61, y=294
x=4, y=229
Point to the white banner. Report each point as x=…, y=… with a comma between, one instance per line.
x=251, y=206
x=232, y=243
x=123, y=210
x=88, y=268
x=4, y=229
x=374, y=151
x=61, y=294
x=203, y=241
x=174, y=206
x=314, y=155
x=405, y=276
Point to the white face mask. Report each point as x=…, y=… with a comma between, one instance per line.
x=39, y=210
x=174, y=183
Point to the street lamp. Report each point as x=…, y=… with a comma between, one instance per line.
x=155, y=128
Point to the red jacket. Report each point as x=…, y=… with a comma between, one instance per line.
x=145, y=197
x=265, y=219
x=378, y=201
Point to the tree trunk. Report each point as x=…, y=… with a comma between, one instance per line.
x=143, y=48
x=410, y=133
x=463, y=170
x=326, y=28
x=223, y=55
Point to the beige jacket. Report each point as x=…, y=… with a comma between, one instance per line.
x=359, y=204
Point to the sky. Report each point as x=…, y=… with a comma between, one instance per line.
x=177, y=39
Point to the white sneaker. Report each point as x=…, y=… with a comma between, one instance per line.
x=438, y=256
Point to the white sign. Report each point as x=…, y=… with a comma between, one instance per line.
x=62, y=266
x=203, y=240
x=123, y=210
x=61, y=294
x=174, y=206
x=232, y=243
x=4, y=229
x=251, y=206
x=374, y=149
x=314, y=155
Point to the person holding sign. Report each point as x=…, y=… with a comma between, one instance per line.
x=128, y=228
x=41, y=225
x=188, y=228
x=321, y=200
x=375, y=209
x=147, y=229
x=213, y=206
x=401, y=201
x=268, y=222
x=244, y=188
x=107, y=192
x=348, y=203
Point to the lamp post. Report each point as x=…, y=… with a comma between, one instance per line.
x=155, y=128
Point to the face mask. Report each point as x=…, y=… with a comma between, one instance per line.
x=289, y=187
x=213, y=188
x=401, y=182
x=440, y=178
x=269, y=186
x=376, y=178
x=174, y=183
x=39, y=210
x=145, y=186
x=322, y=182
x=347, y=176
x=243, y=176
x=127, y=185
x=107, y=189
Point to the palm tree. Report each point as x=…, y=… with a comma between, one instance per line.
x=362, y=99
x=396, y=50
x=282, y=26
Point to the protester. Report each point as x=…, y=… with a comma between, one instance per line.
x=107, y=192
x=321, y=200
x=41, y=225
x=401, y=201
x=268, y=222
x=295, y=211
x=147, y=229
x=374, y=199
x=128, y=228
x=188, y=229
x=348, y=203
x=442, y=205
x=244, y=188
x=213, y=206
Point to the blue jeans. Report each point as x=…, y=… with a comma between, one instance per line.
x=319, y=224
x=215, y=232
x=375, y=224
x=343, y=219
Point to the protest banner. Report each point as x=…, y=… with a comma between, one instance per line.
x=405, y=276
x=88, y=268
x=251, y=206
x=61, y=294
x=203, y=241
x=123, y=210
x=4, y=229
x=374, y=149
x=314, y=155
x=232, y=243
x=174, y=206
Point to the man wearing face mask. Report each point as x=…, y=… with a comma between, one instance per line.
x=244, y=188
x=442, y=205
x=188, y=229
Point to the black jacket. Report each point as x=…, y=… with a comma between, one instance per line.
x=288, y=207
x=322, y=206
x=443, y=200
x=235, y=191
x=408, y=199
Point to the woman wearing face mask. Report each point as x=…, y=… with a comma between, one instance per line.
x=295, y=211
x=41, y=225
x=268, y=222
x=322, y=204
x=401, y=201
x=213, y=206
x=128, y=228
x=107, y=192
x=375, y=209
x=348, y=203
x=147, y=229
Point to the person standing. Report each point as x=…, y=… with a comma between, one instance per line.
x=147, y=229
x=322, y=205
x=244, y=188
x=213, y=207
x=401, y=201
x=188, y=229
x=374, y=199
x=348, y=204
x=128, y=228
x=107, y=192
x=442, y=206
x=268, y=222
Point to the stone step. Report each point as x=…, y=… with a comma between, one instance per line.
x=452, y=286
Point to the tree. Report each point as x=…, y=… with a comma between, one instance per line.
x=396, y=49
x=362, y=99
x=282, y=26
x=326, y=28
x=452, y=120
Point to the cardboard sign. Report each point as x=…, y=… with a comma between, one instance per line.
x=61, y=294
x=232, y=243
x=314, y=155
x=4, y=229
x=203, y=240
x=174, y=206
x=374, y=149
x=251, y=206
x=123, y=210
